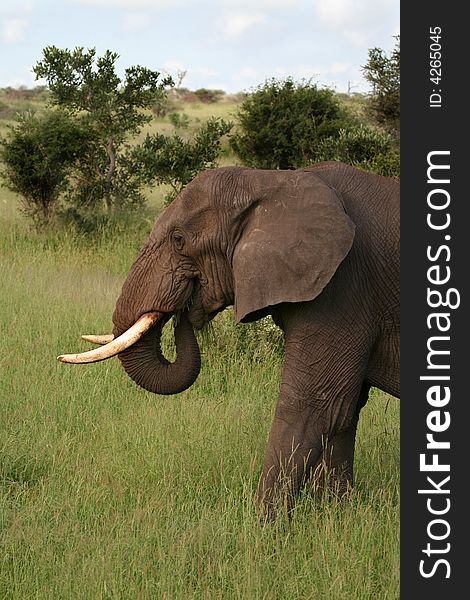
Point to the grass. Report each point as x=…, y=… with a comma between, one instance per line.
x=107, y=491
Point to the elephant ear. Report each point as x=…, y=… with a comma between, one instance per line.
x=294, y=239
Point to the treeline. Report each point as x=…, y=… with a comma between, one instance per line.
x=81, y=160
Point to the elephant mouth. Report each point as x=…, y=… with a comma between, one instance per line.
x=111, y=346
x=140, y=352
x=139, y=348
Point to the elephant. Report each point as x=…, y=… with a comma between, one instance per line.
x=315, y=248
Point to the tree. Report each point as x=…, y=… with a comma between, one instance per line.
x=383, y=73
x=89, y=89
x=173, y=161
x=37, y=155
x=281, y=123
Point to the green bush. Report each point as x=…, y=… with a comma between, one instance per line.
x=353, y=146
x=209, y=96
x=387, y=164
x=282, y=122
x=362, y=147
x=38, y=154
x=179, y=120
x=173, y=161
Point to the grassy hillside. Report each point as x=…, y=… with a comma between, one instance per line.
x=13, y=102
x=107, y=491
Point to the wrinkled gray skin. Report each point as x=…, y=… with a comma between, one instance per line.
x=318, y=249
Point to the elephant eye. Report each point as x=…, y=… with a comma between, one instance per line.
x=178, y=240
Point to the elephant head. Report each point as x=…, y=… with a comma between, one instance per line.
x=233, y=236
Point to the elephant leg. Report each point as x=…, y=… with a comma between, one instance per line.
x=301, y=448
x=334, y=470
x=322, y=381
x=292, y=451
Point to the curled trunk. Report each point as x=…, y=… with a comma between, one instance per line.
x=145, y=363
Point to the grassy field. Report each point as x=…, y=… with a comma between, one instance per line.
x=107, y=491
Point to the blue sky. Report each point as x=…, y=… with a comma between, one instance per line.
x=228, y=44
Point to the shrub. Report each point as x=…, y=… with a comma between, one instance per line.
x=362, y=147
x=38, y=154
x=173, y=161
x=281, y=123
x=209, y=96
x=179, y=120
x=387, y=164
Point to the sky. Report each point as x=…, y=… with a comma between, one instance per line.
x=233, y=45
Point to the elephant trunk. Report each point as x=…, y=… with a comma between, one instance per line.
x=145, y=363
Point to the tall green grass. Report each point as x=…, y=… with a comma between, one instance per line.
x=107, y=491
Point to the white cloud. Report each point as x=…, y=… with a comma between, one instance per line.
x=205, y=72
x=357, y=20
x=260, y=3
x=247, y=73
x=135, y=21
x=7, y=7
x=172, y=65
x=313, y=71
x=359, y=39
x=237, y=4
x=133, y=3
x=339, y=67
x=13, y=30
x=176, y=65
x=335, y=13
x=234, y=25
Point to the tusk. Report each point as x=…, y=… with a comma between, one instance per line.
x=128, y=338
x=100, y=340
